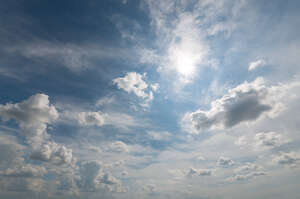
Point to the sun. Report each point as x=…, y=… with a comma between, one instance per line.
x=184, y=63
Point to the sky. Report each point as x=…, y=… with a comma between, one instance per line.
x=149, y=99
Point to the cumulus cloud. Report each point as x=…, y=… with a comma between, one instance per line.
x=287, y=158
x=54, y=153
x=225, y=162
x=33, y=116
x=256, y=64
x=132, y=82
x=93, y=178
x=245, y=102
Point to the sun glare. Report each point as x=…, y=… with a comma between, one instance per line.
x=185, y=64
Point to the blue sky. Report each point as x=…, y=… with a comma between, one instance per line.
x=194, y=99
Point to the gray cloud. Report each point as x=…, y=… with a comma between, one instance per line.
x=241, y=177
x=24, y=170
x=269, y=139
x=287, y=158
x=245, y=102
x=93, y=178
x=225, y=162
x=199, y=172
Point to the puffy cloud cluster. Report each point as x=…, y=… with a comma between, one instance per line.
x=33, y=115
x=246, y=102
x=262, y=140
x=93, y=178
x=54, y=153
x=133, y=82
x=269, y=139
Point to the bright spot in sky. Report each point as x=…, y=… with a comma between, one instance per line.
x=185, y=63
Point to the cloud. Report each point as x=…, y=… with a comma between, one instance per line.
x=287, y=158
x=118, y=147
x=91, y=118
x=93, y=179
x=24, y=171
x=199, y=172
x=54, y=153
x=132, y=82
x=225, y=162
x=256, y=64
x=248, y=167
x=33, y=116
x=245, y=102
x=262, y=140
x=242, y=177
x=99, y=119
x=105, y=101
x=248, y=171
x=269, y=139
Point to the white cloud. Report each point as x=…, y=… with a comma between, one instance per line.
x=256, y=64
x=33, y=115
x=155, y=87
x=132, y=82
x=225, y=162
x=91, y=118
x=54, y=153
x=118, y=147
